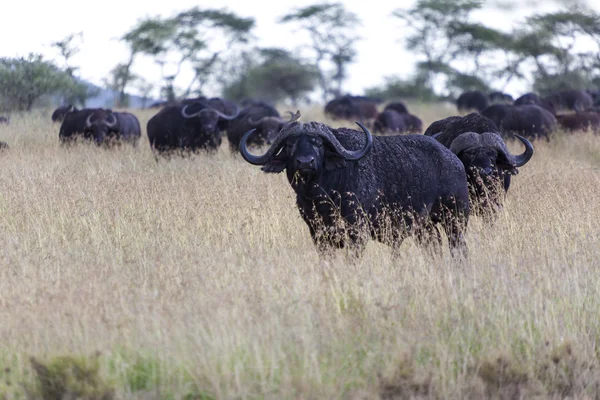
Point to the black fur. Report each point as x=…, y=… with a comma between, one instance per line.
x=126, y=129
x=404, y=185
x=530, y=121
x=472, y=100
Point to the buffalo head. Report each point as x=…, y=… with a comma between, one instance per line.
x=305, y=151
x=206, y=124
x=100, y=125
x=267, y=128
x=489, y=163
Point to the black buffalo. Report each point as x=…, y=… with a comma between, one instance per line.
x=60, y=113
x=190, y=126
x=534, y=100
x=500, y=98
x=570, y=100
x=583, y=121
x=352, y=107
x=397, y=106
x=100, y=125
x=348, y=183
x=472, y=100
x=529, y=120
x=262, y=117
x=476, y=141
x=392, y=122
x=4, y=120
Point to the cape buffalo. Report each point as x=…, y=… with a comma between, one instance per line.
x=260, y=116
x=531, y=121
x=59, y=114
x=397, y=106
x=472, y=100
x=4, y=120
x=476, y=141
x=188, y=127
x=588, y=120
x=391, y=122
x=348, y=183
x=500, y=98
x=352, y=107
x=100, y=125
x=574, y=100
x=534, y=100
x=3, y=146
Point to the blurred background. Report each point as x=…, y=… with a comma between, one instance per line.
x=121, y=54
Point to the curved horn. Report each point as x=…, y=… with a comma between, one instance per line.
x=464, y=141
x=522, y=159
x=113, y=121
x=437, y=135
x=261, y=160
x=496, y=141
x=252, y=121
x=228, y=117
x=184, y=113
x=88, y=121
x=348, y=154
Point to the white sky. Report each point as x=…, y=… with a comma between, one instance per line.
x=29, y=26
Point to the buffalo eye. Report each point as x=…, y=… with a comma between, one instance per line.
x=317, y=142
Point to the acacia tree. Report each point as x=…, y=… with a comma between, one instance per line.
x=25, y=80
x=277, y=76
x=77, y=92
x=195, y=38
x=331, y=29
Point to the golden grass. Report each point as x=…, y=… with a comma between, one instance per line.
x=196, y=278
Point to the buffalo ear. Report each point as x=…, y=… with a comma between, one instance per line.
x=275, y=165
x=333, y=161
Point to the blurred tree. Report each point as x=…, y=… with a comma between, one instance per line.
x=78, y=92
x=394, y=88
x=194, y=37
x=144, y=89
x=278, y=76
x=332, y=32
x=25, y=80
x=120, y=76
x=449, y=45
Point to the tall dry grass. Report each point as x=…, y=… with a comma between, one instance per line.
x=196, y=278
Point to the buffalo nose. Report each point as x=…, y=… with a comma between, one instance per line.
x=305, y=162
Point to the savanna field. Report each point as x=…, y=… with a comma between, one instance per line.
x=195, y=278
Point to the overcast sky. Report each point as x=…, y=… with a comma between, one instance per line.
x=29, y=26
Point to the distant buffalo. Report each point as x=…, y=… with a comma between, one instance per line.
x=472, y=100
x=397, y=106
x=352, y=108
x=570, y=100
x=534, y=100
x=582, y=121
x=390, y=121
x=4, y=120
x=3, y=146
x=59, y=114
x=476, y=141
x=187, y=127
x=262, y=117
x=530, y=121
x=100, y=125
x=500, y=98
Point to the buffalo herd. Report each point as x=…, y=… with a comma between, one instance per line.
x=350, y=185
x=533, y=116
